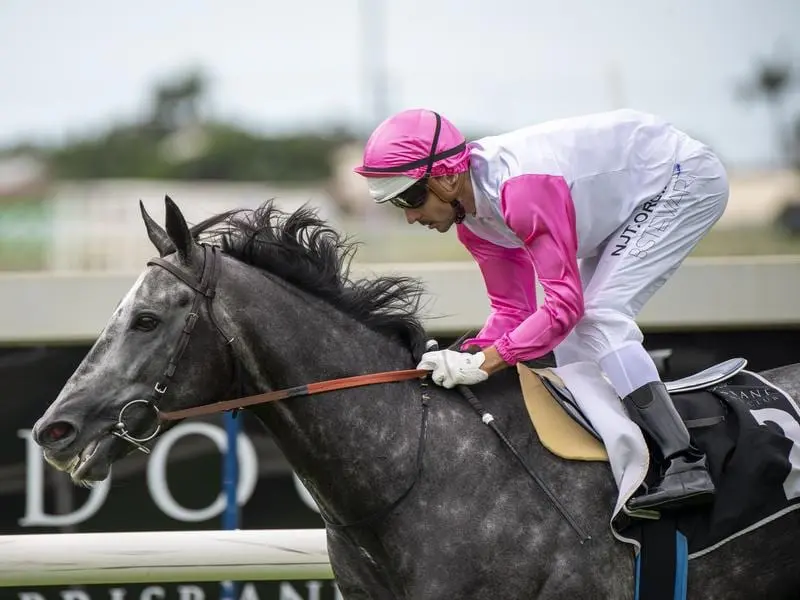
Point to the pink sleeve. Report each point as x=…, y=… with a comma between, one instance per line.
x=539, y=209
x=510, y=284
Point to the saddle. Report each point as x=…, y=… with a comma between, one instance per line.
x=564, y=429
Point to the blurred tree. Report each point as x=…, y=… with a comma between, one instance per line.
x=771, y=82
x=229, y=154
x=176, y=103
x=124, y=151
x=794, y=143
x=175, y=141
x=236, y=154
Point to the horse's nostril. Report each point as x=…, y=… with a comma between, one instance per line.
x=56, y=432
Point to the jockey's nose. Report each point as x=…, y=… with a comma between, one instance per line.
x=412, y=216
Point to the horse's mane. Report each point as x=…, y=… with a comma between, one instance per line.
x=305, y=251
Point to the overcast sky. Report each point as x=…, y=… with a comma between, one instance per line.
x=70, y=67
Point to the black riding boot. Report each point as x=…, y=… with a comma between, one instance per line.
x=685, y=479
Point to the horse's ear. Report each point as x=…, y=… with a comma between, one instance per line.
x=156, y=233
x=178, y=230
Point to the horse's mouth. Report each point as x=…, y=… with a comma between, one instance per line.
x=89, y=466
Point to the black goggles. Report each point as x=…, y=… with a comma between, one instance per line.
x=413, y=197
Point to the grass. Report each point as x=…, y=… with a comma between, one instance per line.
x=24, y=234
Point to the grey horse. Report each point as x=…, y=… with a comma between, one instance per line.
x=422, y=500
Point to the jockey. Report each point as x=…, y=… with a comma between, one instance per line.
x=602, y=208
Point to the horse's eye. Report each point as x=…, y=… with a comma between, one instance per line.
x=145, y=323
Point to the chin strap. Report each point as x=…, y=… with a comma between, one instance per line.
x=459, y=208
x=460, y=212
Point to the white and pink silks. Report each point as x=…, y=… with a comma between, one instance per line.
x=601, y=209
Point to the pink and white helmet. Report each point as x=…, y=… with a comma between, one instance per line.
x=408, y=146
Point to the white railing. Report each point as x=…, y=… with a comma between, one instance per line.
x=163, y=557
x=703, y=293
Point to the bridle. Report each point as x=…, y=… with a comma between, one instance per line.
x=205, y=291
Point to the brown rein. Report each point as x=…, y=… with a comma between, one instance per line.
x=293, y=392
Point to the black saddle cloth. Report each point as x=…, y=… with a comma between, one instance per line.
x=750, y=432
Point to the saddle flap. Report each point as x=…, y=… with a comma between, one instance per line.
x=564, y=398
x=558, y=422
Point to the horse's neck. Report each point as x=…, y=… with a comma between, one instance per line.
x=298, y=340
x=294, y=344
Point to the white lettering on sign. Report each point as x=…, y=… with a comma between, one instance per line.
x=34, y=491
x=289, y=593
x=74, y=595
x=286, y=590
x=191, y=592
x=791, y=429
x=152, y=592
x=157, y=472
x=35, y=515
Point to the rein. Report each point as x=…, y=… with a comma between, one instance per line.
x=293, y=392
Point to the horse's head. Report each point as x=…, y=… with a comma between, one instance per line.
x=283, y=280
x=143, y=358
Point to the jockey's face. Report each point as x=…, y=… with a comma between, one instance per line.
x=436, y=212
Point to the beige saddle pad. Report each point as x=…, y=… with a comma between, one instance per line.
x=558, y=432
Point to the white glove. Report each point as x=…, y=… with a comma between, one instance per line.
x=451, y=368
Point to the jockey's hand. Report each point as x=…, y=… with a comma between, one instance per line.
x=451, y=368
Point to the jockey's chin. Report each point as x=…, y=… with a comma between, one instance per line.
x=442, y=226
